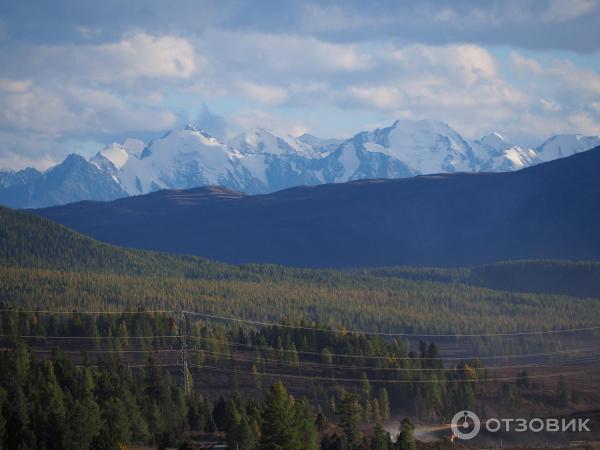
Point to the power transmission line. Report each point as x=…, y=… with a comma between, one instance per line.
x=339, y=355
x=385, y=334
x=305, y=328
x=305, y=363
x=39, y=336
x=348, y=355
x=360, y=380
x=48, y=311
x=183, y=354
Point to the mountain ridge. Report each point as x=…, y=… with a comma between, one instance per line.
x=548, y=211
x=261, y=161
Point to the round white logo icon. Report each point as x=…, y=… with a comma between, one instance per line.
x=465, y=425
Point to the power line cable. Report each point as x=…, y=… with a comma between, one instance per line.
x=386, y=334
x=347, y=355
x=304, y=363
x=357, y=380
x=324, y=330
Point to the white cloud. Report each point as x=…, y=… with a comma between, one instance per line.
x=148, y=56
x=459, y=83
x=279, y=54
x=139, y=80
x=563, y=11
x=251, y=118
x=18, y=151
x=566, y=77
x=138, y=55
x=466, y=64
x=584, y=123
x=549, y=105
x=523, y=64
x=14, y=86
x=32, y=108
x=270, y=95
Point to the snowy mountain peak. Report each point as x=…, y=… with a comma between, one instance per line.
x=428, y=125
x=426, y=146
x=134, y=147
x=116, y=154
x=260, y=160
x=261, y=141
x=197, y=130
x=192, y=127
x=563, y=145
x=496, y=141
x=496, y=154
x=322, y=145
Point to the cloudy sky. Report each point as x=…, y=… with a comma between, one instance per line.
x=76, y=75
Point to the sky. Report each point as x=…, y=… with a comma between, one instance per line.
x=77, y=75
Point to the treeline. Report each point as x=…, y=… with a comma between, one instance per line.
x=397, y=306
x=318, y=363
x=54, y=405
x=30, y=241
x=45, y=265
x=572, y=278
x=99, y=393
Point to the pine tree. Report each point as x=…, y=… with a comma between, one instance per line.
x=278, y=431
x=245, y=436
x=380, y=439
x=116, y=430
x=53, y=425
x=305, y=425
x=384, y=403
x=563, y=393
x=350, y=414
x=84, y=423
x=3, y=408
x=365, y=386
x=406, y=440
x=257, y=377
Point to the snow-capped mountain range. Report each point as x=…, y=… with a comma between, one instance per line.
x=259, y=161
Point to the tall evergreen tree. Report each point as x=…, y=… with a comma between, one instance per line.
x=381, y=440
x=406, y=440
x=563, y=393
x=350, y=414
x=305, y=425
x=384, y=403
x=278, y=431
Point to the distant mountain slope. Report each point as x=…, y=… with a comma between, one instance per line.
x=573, y=278
x=73, y=180
x=48, y=267
x=548, y=211
x=261, y=161
x=31, y=243
x=565, y=145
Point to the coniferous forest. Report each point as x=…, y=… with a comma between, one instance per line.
x=105, y=347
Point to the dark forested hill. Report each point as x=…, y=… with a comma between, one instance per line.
x=548, y=211
x=46, y=265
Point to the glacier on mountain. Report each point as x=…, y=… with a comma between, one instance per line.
x=260, y=161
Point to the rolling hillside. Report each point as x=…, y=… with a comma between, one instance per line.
x=45, y=265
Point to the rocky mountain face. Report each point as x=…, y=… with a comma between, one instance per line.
x=259, y=161
x=73, y=180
